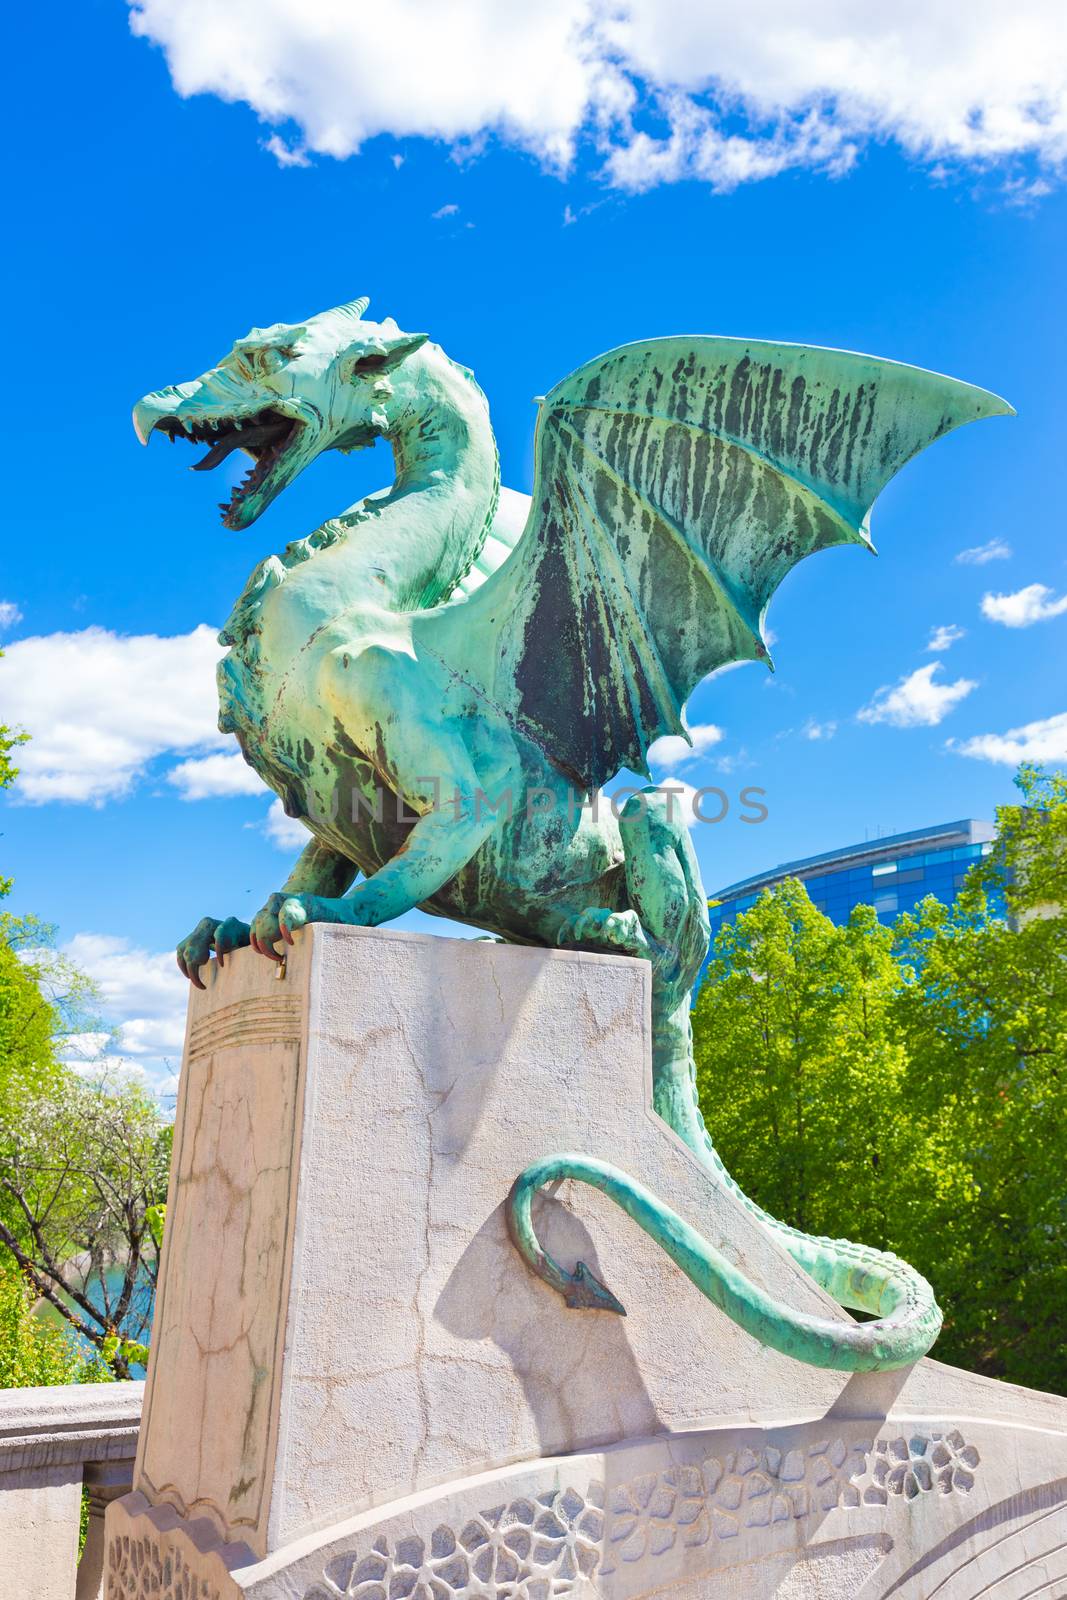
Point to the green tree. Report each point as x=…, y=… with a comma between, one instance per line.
x=45, y=1003
x=27, y=1022
x=906, y=1086
x=30, y=1018
x=9, y=739
x=33, y=1351
x=85, y=1172
x=799, y=1065
x=985, y=1026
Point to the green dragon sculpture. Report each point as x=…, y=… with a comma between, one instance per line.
x=446, y=638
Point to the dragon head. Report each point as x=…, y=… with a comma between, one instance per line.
x=283, y=395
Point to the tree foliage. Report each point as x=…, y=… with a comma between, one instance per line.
x=85, y=1173
x=9, y=739
x=907, y=1086
x=35, y=1352
x=27, y=1026
x=83, y=1170
x=47, y=1008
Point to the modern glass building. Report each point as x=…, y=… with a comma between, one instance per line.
x=891, y=874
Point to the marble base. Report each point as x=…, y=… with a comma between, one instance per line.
x=358, y=1389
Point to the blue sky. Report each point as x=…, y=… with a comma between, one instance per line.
x=152, y=229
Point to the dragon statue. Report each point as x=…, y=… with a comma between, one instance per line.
x=444, y=647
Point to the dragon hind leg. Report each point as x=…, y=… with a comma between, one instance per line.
x=664, y=888
x=665, y=920
x=666, y=923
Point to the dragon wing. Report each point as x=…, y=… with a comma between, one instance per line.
x=676, y=483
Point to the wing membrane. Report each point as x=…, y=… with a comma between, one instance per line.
x=677, y=482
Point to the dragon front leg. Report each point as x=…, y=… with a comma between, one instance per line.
x=454, y=820
x=439, y=845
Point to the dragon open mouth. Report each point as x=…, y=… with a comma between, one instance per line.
x=267, y=436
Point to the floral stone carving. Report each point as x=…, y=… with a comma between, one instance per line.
x=532, y=1548
x=689, y=1505
x=915, y=1466
x=139, y=1568
x=538, y=1547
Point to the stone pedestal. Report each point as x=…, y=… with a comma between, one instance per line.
x=358, y=1389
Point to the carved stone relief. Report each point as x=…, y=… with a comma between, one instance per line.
x=534, y=1548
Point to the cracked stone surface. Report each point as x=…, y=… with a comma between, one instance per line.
x=220, y=1316
x=344, y=1321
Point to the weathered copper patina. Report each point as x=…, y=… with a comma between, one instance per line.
x=439, y=690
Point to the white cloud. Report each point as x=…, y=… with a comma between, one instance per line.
x=286, y=155
x=1026, y=606
x=206, y=777
x=818, y=730
x=738, y=93
x=1041, y=741
x=681, y=805
x=440, y=72
x=286, y=832
x=143, y=995
x=945, y=637
x=696, y=147
x=85, y=1051
x=917, y=701
x=9, y=614
x=444, y=211
x=1023, y=193
x=980, y=554
x=672, y=751
x=100, y=706
x=110, y=1069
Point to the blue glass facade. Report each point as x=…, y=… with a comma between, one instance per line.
x=892, y=874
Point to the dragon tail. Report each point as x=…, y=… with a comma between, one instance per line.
x=907, y=1317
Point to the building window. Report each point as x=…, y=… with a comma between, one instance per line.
x=886, y=902
x=882, y=868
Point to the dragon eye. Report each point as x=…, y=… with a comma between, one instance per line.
x=273, y=357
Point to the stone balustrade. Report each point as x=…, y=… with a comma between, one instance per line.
x=52, y=1442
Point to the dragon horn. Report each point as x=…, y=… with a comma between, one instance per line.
x=354, y=308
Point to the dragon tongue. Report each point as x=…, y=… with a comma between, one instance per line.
x=241, y=438
x=218, y=452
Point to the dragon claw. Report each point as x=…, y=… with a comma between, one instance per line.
x=614, y=930
x=230, y=935
x=195, y=951
x=294, y=914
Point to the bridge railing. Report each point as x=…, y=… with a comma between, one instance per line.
x=52, y=1442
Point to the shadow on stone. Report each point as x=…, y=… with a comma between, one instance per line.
x=536, y=1331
